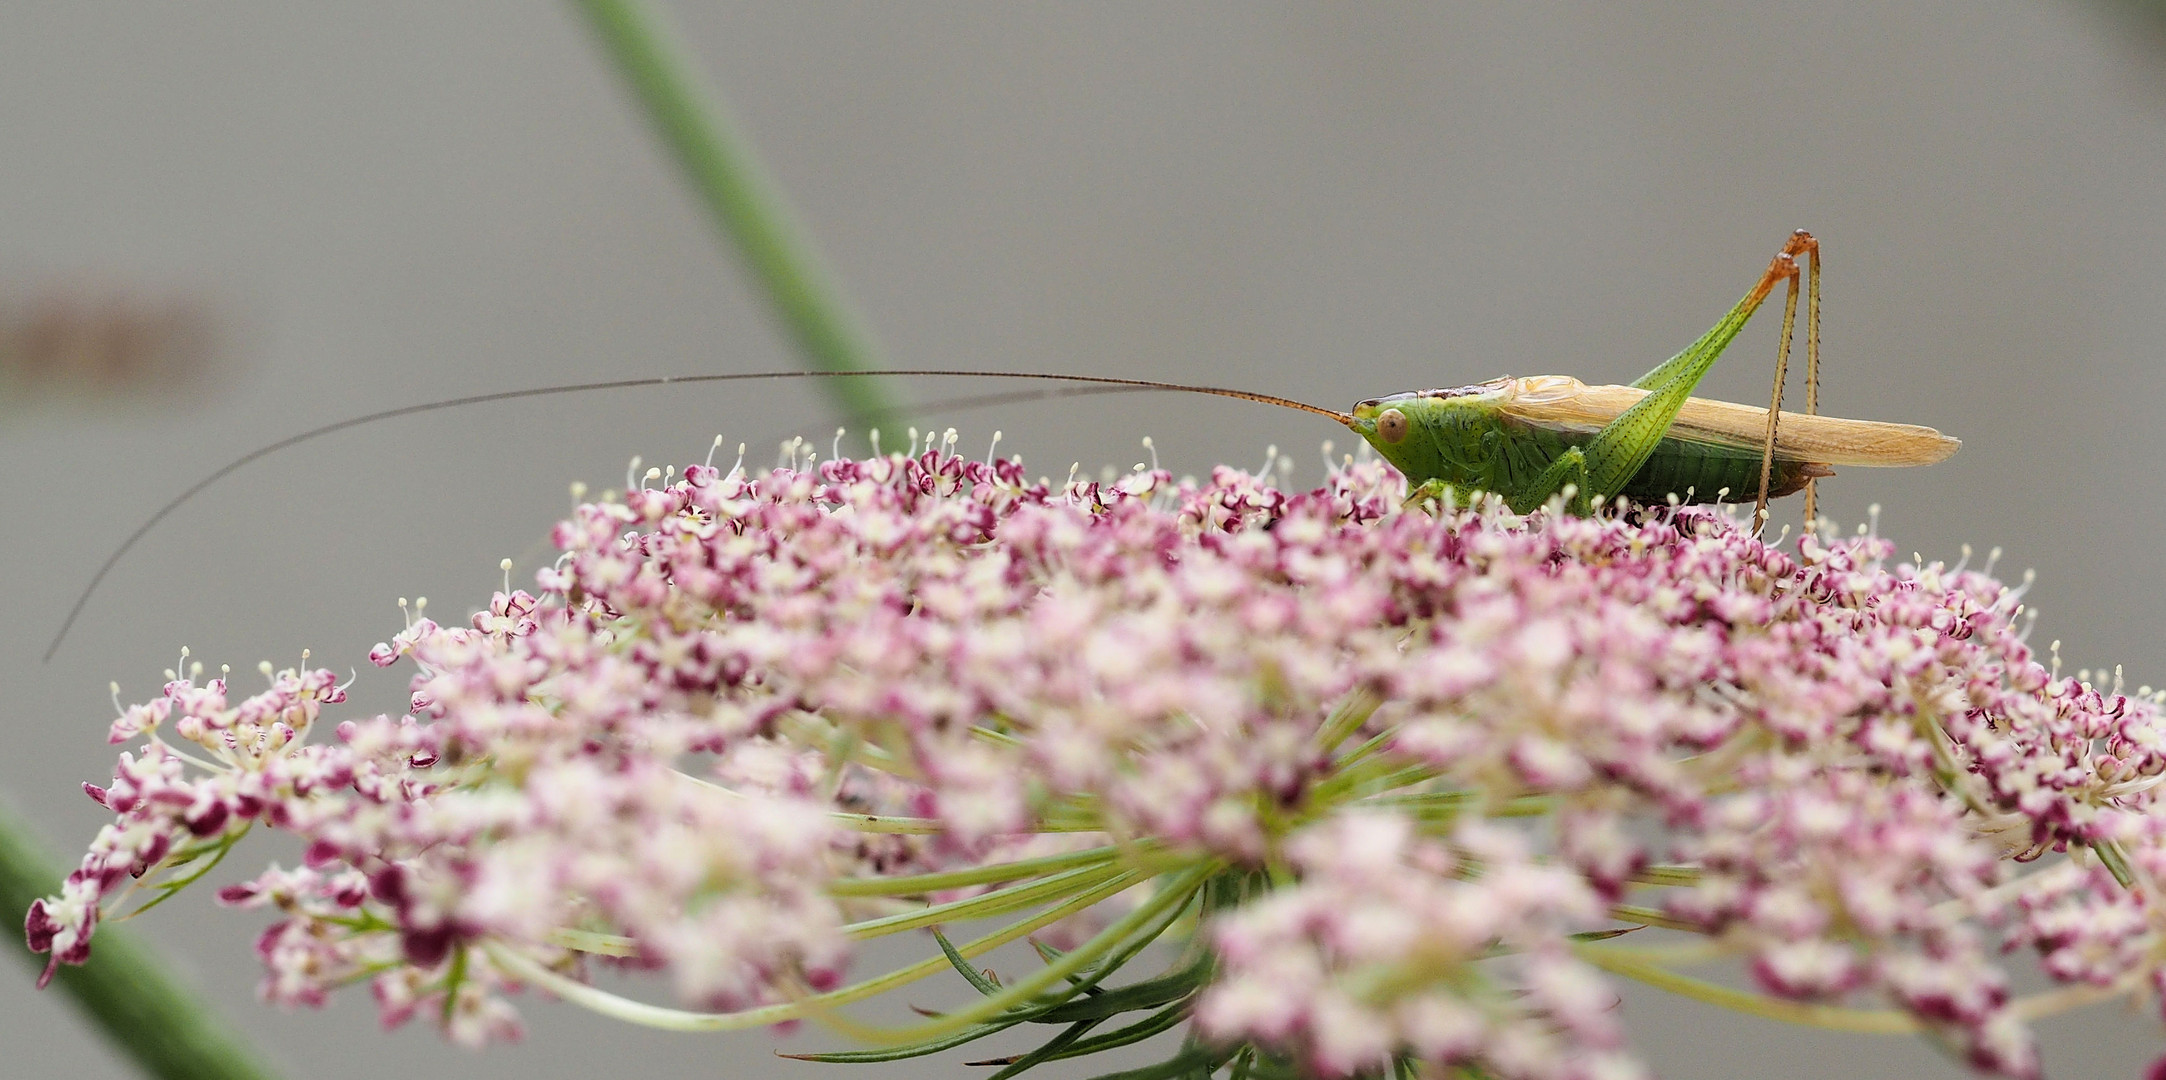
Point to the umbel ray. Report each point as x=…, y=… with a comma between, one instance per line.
x=1527, y=440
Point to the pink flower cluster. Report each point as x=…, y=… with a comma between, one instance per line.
x=750, y=721
x=260, y=770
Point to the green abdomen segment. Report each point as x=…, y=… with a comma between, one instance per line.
x=1473, y=448
x=1698, y=472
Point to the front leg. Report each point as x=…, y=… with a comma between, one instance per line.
x=1566, y=476
x=1432, y=495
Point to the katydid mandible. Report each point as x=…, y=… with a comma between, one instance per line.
x=1525, y=440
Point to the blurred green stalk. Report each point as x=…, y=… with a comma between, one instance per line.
x=745, y=202
x=144, y=1010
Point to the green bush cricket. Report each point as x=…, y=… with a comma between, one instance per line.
x=1526, y=440
x=1530, y=440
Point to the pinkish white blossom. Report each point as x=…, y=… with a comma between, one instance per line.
x=1408, y=773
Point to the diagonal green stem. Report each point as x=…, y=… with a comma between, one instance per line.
x=167, y=1028
x=734, y=185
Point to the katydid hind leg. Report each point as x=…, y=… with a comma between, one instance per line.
x=1812, y=370
x=1718, y=336
x=1774, y=405
x=1623, y=445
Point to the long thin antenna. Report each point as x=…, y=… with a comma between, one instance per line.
x=82, y=600
x=944, y=406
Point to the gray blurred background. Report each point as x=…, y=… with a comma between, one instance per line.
x=395, y=202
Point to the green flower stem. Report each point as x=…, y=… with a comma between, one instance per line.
x=1098, y=866
x=2076, y=996
x=745, y=202
x=992, y=904
x=1368, y=779
x=813, y=1006
x=1176, y=891
x=143, y=1009
x=589, y=941
x=2116, y=863
x=919, y=884
x=1830, y=1017
x=1680, y=876
x=1647, y=916
x=1347, y=718
x=915, y=826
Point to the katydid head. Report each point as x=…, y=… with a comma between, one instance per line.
x=1416, y=431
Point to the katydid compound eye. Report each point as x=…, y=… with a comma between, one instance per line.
x=1391, y=425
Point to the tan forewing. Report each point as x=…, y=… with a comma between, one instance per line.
x=1565, y=403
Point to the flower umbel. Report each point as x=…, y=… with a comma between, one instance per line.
x=1400, y=779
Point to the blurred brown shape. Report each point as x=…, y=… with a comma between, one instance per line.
x=101, y=341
